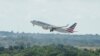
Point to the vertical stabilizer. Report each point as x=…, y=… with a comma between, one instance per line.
x=71, y=28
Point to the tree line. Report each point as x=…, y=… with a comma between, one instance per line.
x=47, y=50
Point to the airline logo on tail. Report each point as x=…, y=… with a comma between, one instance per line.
x=71, y=28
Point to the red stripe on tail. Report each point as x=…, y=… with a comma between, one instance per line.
x=71, y=28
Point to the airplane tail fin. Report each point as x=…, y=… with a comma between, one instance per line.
x=72, y=27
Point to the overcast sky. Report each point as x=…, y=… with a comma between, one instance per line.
x=15, y=15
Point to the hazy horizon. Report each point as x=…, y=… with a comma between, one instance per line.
x=15, y=15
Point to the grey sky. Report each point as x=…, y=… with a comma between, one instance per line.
x=16, y=14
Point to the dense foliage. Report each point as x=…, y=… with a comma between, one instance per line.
x=48, y=50
x=30, y=39
x=32, y=44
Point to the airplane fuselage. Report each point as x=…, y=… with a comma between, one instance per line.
x=54, y=28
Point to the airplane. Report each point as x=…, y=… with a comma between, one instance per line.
x=52, y=28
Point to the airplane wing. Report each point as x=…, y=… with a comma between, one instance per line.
x=42, y=24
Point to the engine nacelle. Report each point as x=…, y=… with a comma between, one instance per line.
x=52, y=29
x=46, y=28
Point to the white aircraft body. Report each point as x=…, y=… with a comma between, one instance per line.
x=52, y=28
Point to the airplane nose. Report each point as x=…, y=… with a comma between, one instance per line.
x=31, y=21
